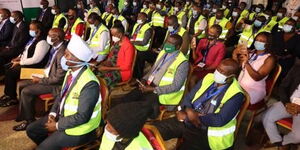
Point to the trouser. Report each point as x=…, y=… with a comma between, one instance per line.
x=37, y=132
x=11, y=77
x=28, y=93
x=193, y=138
x=276, y=112
x=141, y=58
x=138, y=95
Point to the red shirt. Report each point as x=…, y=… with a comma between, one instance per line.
x=125, y=58
x=80, y=28
x=214, y=56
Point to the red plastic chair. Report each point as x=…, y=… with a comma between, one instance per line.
x=154, y=137
x=49, y=100
x=286, y=123
x=261, y=106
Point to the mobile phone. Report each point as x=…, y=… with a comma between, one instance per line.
x=137, y=80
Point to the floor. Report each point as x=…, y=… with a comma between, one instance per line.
x=11, y=140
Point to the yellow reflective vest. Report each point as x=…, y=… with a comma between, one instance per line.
x=140, y=36
x=94, y=41
x=220, y=137
x=57, y=18
x=168, y=78
x=145, y=10
x=247, y=36
x=158, y=20
x=138, y=143
x=281, y=22
x=72, y=101
x=78, y=21
x=197, y=26
x=95, y=10
x=106, y=17
x=222, y=23
x=180, y=15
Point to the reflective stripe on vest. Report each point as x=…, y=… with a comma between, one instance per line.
x=248, y=37
x=94, y=10
x=106, y=17
x=145, y=10
x=168, y=78
x=138, y=143
x=282, y=22
x=222, y=23
x=197, y=26
x=220, y=137
x=95, y=40
x=245, y=13
x=121, y=18
x=57, y=19
x=78, y=21
x=72, y=101
x=158, y=20
x=180, y=16
x=140, y=36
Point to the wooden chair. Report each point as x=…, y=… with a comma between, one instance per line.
x=95, y=144
x=286, y=123
x=261, y=106
x=242, y=113
x=154, y=137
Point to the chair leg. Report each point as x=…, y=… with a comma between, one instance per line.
x=250, y=123
x=46, y=106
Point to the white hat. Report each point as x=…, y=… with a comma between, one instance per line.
x=80, y=49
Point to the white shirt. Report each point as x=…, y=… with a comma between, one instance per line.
x=2, y=23
x=104, y=39
x=47, y=70
x=203, y=24
x=41, y=49
x=296, y=93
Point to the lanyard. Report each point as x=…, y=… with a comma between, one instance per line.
x=207, y=50
x=164, y=61
x=30, y=42
x=175, y=31
x=209, y=94
x=95, y=31
x=254, y=57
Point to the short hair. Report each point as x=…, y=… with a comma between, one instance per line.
x=218, y=28
x=94, y=16
x=143, y=14
x=74, y=9
x=173, y=18
x=60, y=33
x=269, y=39
x=19, y=14
x=178, y=39
x=6, y=11
x=119, y=27
x=40, y=26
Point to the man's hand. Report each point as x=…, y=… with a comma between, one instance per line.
x=146, y=88
x=51, y=125
x=35, y=79
x=14, y=64
x=181, y=115
x=51, y=118
x=292, y=108
x=193, y=116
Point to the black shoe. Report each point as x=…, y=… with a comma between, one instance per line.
x=4, y=98
x=9, y=102
x=22, y=126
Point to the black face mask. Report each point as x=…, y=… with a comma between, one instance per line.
x=71, y=17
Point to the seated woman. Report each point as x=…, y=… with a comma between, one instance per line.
x=117, y=67
x=35, y=55
x=256, y=66
x=207, y=55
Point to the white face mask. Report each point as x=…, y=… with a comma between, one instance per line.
x=78, y=6
x=219, y=77
x=92, y=26
x=214, y=10
x=53, y=12
x=257, y=10
x=115, y=39
x=234, y=14
x=279, y=15
x=223, y=7
x=145, y=6
x=49, y=40
x=176, y=9
x=115, y=16
x=158, y=6
x=134, y=3
x=12, y=20
x=170, y=28
x=295, y=18
x=139, y=21
x=111, y=136
x=195, y=13
x=41, y=6
x=125, y=3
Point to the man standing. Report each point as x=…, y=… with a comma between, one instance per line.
x=6, y=27
x=76, y=113
x=45, y=16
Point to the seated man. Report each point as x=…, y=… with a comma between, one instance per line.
x=76, y=113
x=207, y=117
x=287, y=107
x=120, y=133
x=166, y=80
x=117, y=66
x=60, y=20
x=75, y=24
x=30, y=89
x=6, y=27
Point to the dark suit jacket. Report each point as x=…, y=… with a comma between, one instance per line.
x=56, y=74
x=87, y=100
x=6, y=33
x=47, y=19
x=19, y=39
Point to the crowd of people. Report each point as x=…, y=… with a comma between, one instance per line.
x=196, y=57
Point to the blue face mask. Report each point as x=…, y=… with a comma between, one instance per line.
x=257, y=23
x=32, y=33
x=63, y=63
x=260, y=46
x=287, y=28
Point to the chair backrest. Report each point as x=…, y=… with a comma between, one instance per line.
x=104, y=95
x=242, y=113
x=271, y=80
x=154, y=137
x=152, y=39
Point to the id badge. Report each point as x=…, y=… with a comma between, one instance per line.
x=213, y=102
x=201, y=65
x=150, y=79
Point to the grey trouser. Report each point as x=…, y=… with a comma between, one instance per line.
x=276, y=112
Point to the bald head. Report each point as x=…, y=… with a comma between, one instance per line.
x=228, y=67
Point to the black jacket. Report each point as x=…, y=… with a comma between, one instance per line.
x=6, y=33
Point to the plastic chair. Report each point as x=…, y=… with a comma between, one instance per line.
x=154, y=137
x=261, y=106
x=48, y=100
x=242, y=113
